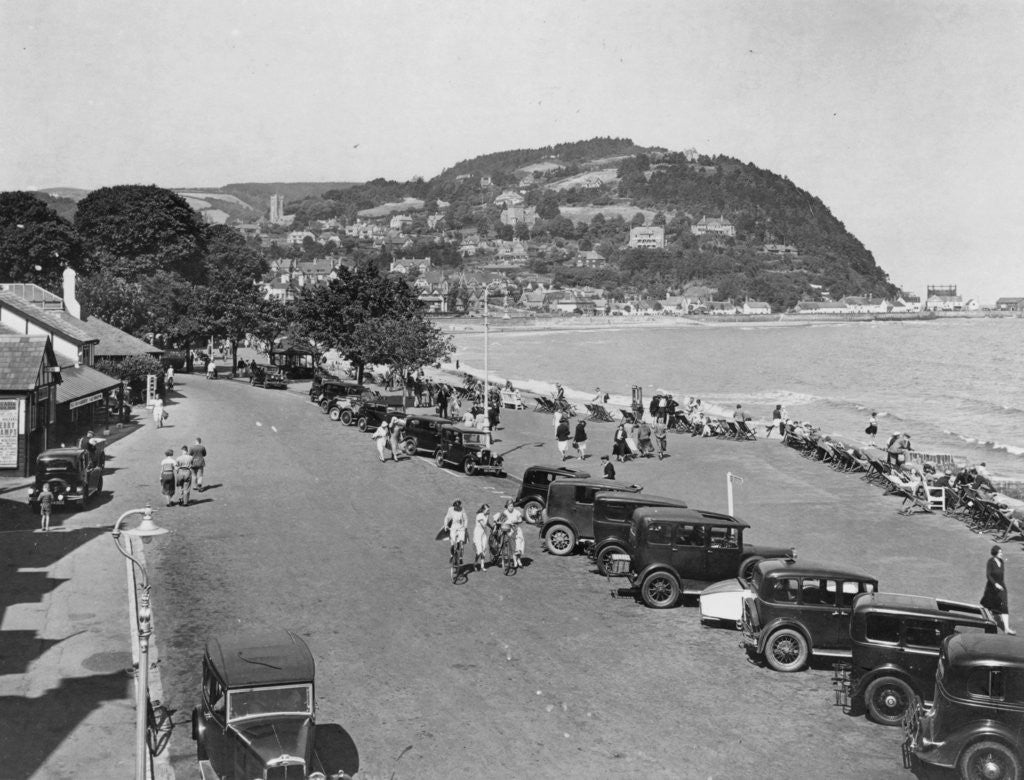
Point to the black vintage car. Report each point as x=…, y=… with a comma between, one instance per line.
x=469, y=448
x=800, y=608
x=265, y=375
x=533, y=491
x=257, y=715
x=674, y=551
x=568, y=517
x=328, y=389
x=896, y=641
x=370, y=414
x=72, y=475
x=977, y=719
x=424, y=432
x=345, y=407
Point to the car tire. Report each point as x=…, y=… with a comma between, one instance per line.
x=888, y=699
x=469, y=466
x=411, y=445
x=334, y=413
x=660, y=590
x=787, y=650
x=604, y=557
x=560, y=539
x=346, y=416
x=325, y=406
x=746, y=572
x=201, y=754
x=439, y=459
x=362, y=424
x=990, y=759
x=533, y=508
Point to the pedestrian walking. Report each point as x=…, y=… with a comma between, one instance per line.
x=777, y=416
x=579, y=439
x=455, y=524
x=481, y=534
x=619, y=447
x=872, y=428
x=562, y=437
x=159, y=415
x=394, y=435
x=609, y=469
x=45, y=507
x=995, y=598
x=380, y=438
x=643, y=438
x=167, y=468
x=198, y=453
x=660, y=431
x=512, y=517
x=183, y=476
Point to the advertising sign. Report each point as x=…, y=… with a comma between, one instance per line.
x=9, y=432
x=150, y=391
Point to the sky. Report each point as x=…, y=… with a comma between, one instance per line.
x=902, y=117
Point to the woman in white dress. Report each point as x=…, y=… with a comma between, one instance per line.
x=481, y=532
x=512, y=516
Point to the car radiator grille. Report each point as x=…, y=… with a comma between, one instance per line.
x=287, y=772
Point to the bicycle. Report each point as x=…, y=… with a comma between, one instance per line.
x=506, y=552
x=456, y=562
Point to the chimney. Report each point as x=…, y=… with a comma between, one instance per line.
x=70, y=301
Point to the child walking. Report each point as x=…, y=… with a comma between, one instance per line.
x=45, y=506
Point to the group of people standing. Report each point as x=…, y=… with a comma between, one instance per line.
x=488, y=530
x=178, y=475
x=578, y=438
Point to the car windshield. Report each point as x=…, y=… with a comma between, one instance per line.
x=57, y=465
x=279, y=700
x=476, y=439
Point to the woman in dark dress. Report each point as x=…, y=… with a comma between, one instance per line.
x=995, y=598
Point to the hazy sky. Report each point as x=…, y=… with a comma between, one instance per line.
x=902, y=117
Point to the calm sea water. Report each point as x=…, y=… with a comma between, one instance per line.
x=956, y=385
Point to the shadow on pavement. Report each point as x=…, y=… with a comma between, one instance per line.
x=35, y=727
x=336, y=749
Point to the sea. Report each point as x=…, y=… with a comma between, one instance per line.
x=955, y=385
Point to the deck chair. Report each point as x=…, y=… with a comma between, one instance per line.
x=680, y=422
x=629, y=416
x=746, y=432
x=599, y=413
x=731, y=431
x=545, y=405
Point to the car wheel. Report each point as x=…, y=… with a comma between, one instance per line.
x=324, y=405
x=990, y=759
x=439, y=459
x=888, y=699
x=604, y=558
x=747, y=568
x=533, y=510
x=334, y=414
x=362, y=424
x=786, y=650
x=346, y=416
x=560, y=539
x=660, y=590
x=197, y=735
x=410, y=446
x=469, y=466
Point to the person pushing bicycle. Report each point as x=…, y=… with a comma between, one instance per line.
x=455, y=523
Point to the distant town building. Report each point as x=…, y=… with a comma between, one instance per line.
x=943, y=298
x=276, y=209
x=1010, y=304
x=509, y=198
x=519, y=215
x=755, y=307
x=644, y=237
x=718, y=226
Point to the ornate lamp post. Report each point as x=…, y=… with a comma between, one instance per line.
x=145, y=531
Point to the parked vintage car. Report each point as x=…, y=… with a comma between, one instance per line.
x=896, y=641
x=345, y=408
x=533, y=491
x=329, y=389
x=801, y=608
x=370, y=414
x=613, y=516
x=257, y=714
x=424, y=431
x=469, y=448
x=568, y=518
x=675, y=551
x=73, y=476
x=977, y=719
x=266, y=375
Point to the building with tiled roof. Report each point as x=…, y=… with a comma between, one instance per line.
x=29, y=377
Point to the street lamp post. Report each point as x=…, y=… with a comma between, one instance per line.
x=145, y=531
x=487, y=385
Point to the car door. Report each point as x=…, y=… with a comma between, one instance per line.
x=921, y=641
x=723, y=553
x=820, y=613
x=689, y=551
x=583, y=511
x=838, y=596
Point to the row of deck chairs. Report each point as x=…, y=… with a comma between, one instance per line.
x=966, y=500
x=720, y=427
x=552, y=405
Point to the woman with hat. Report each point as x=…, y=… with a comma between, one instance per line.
x=455, y=523
x=995, y=598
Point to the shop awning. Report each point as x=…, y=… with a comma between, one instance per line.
x=82, y=385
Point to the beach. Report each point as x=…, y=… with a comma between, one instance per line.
x=952, y=383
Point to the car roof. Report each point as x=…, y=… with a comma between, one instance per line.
x=635, y=497
x=685, y=515
x=61, y=452
x=563, y=470
x=921, y=605
x=263, y=657
x=608, y=484
x=797, y=568
x=994, y=649
x=429, y=417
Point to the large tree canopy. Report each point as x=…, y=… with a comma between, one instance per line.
x=134, y=230
x=35, y=243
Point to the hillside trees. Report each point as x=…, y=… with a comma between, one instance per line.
x=36, y=244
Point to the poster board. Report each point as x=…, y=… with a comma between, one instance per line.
x=150, y=391
x=10, y=417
